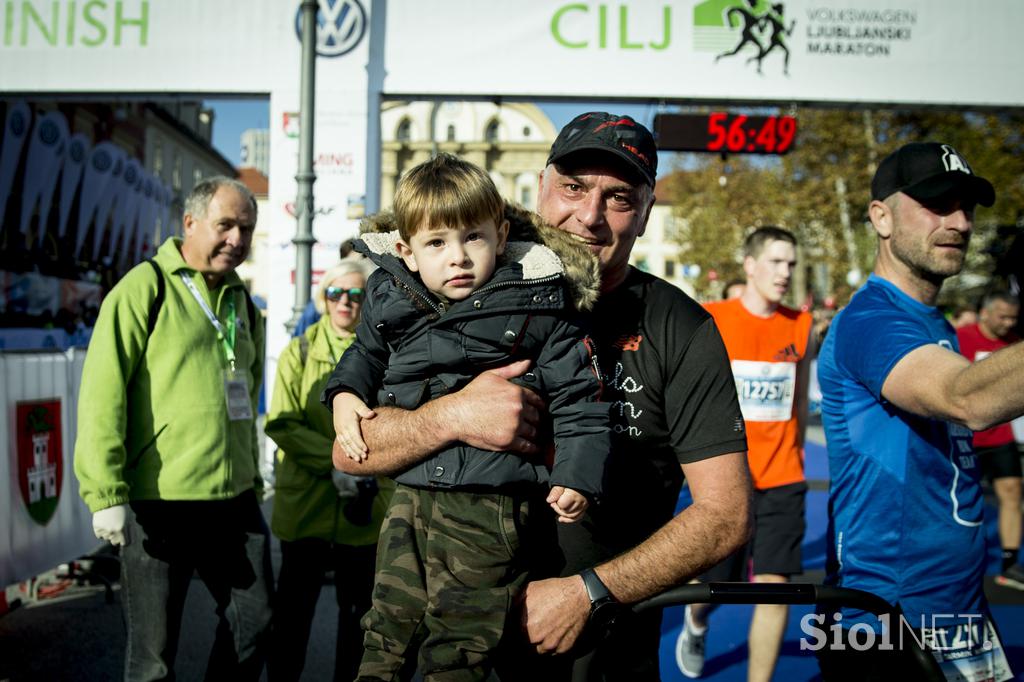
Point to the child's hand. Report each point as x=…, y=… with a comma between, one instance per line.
x=567, y=503
x=349, y=410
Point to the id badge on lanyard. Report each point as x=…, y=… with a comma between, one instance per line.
x=236, y=391
x=236, y=385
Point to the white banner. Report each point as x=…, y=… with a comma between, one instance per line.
x=879, y=51
x=46, y=151
x=74, y=164
x=340, y=165
x=947, y=52
x=194, y=45
x=16, y=130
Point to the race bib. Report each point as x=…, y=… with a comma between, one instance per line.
x=236, y=391
x=969, y=652
x=765, y=389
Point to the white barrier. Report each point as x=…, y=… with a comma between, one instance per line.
x=43, y=521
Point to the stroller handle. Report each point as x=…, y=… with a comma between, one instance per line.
x=791, y=593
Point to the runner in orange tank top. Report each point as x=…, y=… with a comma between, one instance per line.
x=770, y=348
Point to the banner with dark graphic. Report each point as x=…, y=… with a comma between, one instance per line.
x=104, y=207
x=127, y=200
x=98, y=169
x=16, y=127
x=46, y=151
x=74, y=164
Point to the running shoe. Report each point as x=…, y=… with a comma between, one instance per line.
x=1012, y=577
x=690, y=647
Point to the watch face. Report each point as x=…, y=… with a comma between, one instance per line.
x=603, y=615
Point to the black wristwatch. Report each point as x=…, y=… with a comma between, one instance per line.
x=604, y=608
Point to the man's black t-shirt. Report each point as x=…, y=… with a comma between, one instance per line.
x=673, y=401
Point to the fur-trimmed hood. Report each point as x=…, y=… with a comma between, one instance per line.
x=540, y=249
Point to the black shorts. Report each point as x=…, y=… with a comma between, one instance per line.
x=778, y=533
x=1000, y=461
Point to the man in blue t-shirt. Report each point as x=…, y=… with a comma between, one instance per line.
x=899, y=405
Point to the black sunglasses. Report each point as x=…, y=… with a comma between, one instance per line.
x=355, y=294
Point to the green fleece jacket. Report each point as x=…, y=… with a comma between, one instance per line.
x=152, y=413
x=306, y=503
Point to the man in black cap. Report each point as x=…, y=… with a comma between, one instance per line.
x=899, y=405
x=675, y=414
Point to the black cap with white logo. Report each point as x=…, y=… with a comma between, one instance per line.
x=619, y=135
x=928, y=170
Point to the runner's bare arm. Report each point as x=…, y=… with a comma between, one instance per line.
x=935, y=382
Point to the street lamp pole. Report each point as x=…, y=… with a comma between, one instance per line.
x=305, y=176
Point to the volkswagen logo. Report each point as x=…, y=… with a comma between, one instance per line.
x=340, y=26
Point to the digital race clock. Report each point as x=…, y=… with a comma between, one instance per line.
x=726, y=133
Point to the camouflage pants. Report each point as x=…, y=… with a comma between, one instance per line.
x=449, y=566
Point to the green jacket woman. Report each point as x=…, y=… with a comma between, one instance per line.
x=326, y=520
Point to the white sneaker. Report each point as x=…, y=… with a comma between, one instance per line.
x=690, y=647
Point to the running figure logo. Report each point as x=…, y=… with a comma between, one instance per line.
x=754, y=27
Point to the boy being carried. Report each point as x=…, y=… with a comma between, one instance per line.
x=466, y=526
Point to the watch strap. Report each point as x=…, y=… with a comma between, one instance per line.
x=597, y=591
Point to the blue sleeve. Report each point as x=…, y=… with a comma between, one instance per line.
x=308, y=319
x=870, y=341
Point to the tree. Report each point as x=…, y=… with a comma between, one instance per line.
x=822, y=188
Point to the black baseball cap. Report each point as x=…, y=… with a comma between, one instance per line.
x=928, y=170
x=618, y=135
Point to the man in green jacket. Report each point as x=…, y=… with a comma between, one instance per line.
x=167, y=454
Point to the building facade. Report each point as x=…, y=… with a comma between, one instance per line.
x=256, y=149
x=510, y=141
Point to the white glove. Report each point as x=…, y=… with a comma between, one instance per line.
x=111, y=524
x=346, y=484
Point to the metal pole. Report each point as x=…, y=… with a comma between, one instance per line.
x=305, y=177
x=375, y=77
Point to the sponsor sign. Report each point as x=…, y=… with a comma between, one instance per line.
x=945, y=52
x=941, y=52
x=340, y=26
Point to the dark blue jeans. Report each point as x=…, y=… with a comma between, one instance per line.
x=303, y=565
x=225, y=542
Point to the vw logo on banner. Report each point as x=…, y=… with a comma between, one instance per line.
x=340, y=25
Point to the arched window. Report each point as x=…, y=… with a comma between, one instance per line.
x=451, y=133
x=526, y=132
x=491, y=132
x=404, y=131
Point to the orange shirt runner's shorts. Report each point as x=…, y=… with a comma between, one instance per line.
x=764, y=352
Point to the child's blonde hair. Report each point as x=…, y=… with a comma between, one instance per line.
x=445, y=191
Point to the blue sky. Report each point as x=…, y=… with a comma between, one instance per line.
x=234, y=116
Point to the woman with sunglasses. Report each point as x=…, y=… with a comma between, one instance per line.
x=325, y=519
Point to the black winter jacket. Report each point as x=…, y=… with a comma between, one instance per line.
x=411, y=348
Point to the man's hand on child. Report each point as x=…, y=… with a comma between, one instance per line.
x=567, y=503
x=348, y=411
